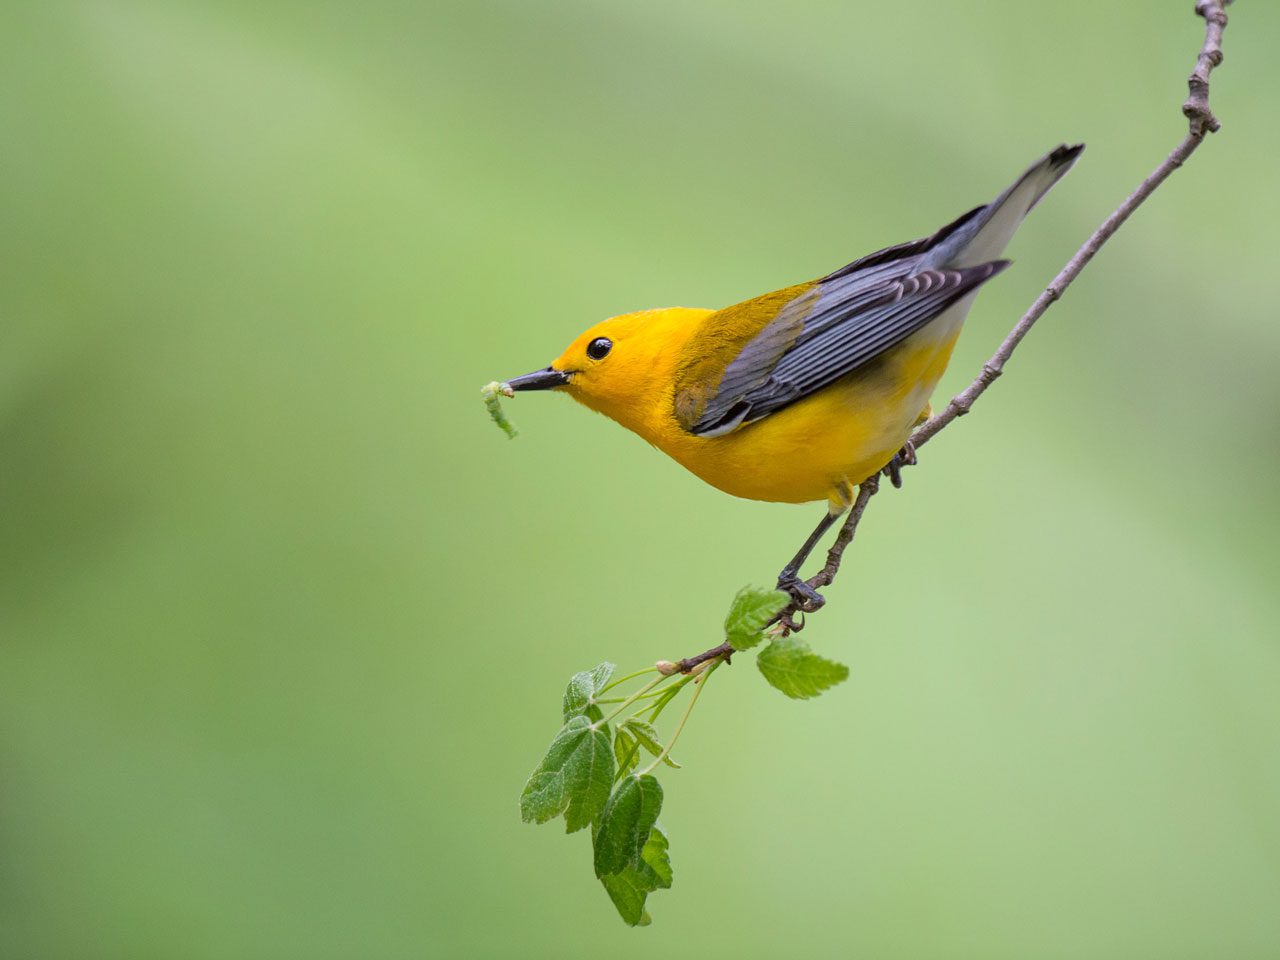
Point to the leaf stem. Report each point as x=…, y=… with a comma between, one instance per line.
x=646, y=696
x=630, y=700
x=699, y=682
x=666, y=696
x=629, y=676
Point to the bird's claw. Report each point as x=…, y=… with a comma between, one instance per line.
x=803, y=597
x=906, y=457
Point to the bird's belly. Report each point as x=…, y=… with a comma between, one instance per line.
x=844, y=433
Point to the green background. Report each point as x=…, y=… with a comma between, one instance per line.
x=284, y=620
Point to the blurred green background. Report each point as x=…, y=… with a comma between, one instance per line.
x=284, y=620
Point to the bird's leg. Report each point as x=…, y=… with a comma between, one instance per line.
x=804, y=596
x=906, y=457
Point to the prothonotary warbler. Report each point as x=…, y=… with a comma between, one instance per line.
x=802, y=393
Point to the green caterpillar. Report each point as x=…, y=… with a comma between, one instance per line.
x=490, y=393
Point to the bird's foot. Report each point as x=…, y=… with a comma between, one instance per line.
x=804, y=597
x=906, y=457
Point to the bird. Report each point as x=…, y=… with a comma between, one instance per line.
x=803, y=393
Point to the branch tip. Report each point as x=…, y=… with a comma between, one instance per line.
x=1200, y=120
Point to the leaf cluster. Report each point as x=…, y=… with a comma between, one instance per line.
x=587, y=776
x=591, y=773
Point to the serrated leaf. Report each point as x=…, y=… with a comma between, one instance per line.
x=647, y=737
x=601, y=674
x=544, y=796
x=628, y=892
x=588, y=780
x=629, y=888
x=573, y=778
x=582, y=687
x=625, y=824
x=751, y=611
x=577, y=696
x=789, y=665
x=655, y=859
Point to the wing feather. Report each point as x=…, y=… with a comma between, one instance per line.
x=856, y=316
x=757, y=357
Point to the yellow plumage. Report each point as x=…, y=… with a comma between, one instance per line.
x=814, y=449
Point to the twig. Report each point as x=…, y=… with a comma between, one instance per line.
x=724, y=651
x=1200, y=121
x=1196, y=107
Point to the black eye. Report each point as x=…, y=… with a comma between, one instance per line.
x=599, y=348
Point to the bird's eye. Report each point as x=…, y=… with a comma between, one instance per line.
x=599, y=348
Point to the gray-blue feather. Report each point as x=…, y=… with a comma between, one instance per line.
x=863, y=309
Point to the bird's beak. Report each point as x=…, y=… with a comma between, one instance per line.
x=540, y=380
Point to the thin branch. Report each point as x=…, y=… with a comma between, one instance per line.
x=1200, y=121
x=1196, y=107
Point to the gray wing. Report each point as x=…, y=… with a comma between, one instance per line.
x=859, y=312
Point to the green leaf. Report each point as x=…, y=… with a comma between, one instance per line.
x=574, y=777
x=750, y=613
x=601, y=674
x=577, y=696
x=582, y=687
x=655, y=859
x=629, y=888
x=627, y=752
x=647, y=737
x=789, y=665
x=625, y=824
x=588, y=780
x=543, y=797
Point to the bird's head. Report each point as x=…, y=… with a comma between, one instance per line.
x=622, y=366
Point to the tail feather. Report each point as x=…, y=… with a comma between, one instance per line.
x=984, y=236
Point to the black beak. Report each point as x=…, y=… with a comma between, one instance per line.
x=540, y=380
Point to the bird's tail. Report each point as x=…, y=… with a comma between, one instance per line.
x=985, y=232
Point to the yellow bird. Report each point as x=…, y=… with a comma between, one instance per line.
x=802, y=393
